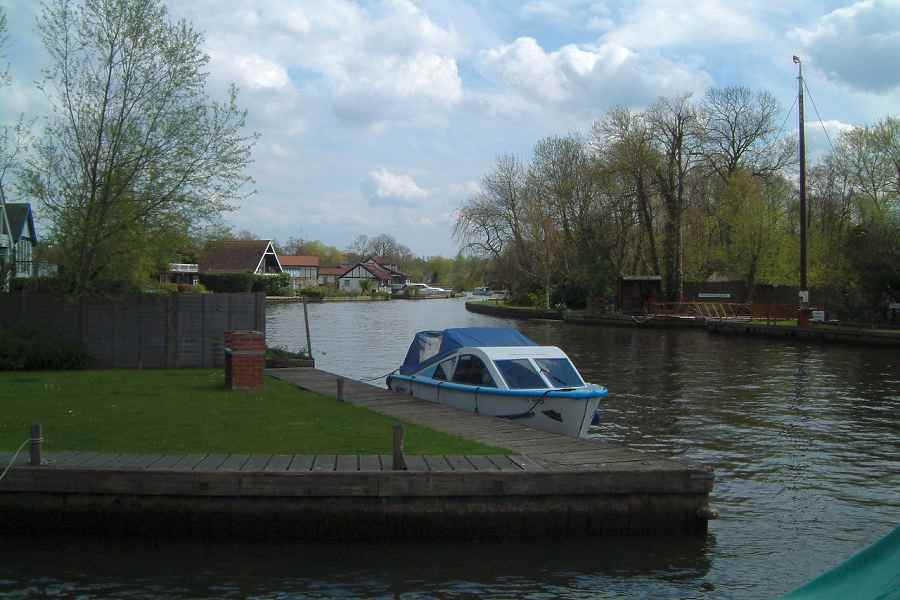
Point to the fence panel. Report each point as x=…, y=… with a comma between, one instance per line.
x=151, y=331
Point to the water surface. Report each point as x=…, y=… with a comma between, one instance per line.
x=804, y=439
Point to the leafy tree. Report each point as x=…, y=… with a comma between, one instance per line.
x=134, y=144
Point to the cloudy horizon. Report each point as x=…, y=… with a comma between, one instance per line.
x=382, y=116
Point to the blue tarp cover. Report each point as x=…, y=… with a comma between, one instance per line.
x=431, y=346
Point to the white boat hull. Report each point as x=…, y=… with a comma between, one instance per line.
x=566, y=416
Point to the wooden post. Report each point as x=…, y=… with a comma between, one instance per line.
x=36, y=440
x=340, y=389
x=306, y=321
x=399, y=459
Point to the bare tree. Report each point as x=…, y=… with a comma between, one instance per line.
x=741, y=131
x=677, y=137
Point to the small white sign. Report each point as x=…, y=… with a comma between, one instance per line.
x=818, y=315
x=894, y=306
x=804, y=296
x=714, y=295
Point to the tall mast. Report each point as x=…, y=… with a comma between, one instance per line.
x=804, y=290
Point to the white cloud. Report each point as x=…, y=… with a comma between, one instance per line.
x=386, y=188
x=858, y=45
x=589, y=76
x=660, y=23
x=546, y=10
x=257, y=72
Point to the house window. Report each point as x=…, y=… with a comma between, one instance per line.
x=23, y=258
x=471, y=370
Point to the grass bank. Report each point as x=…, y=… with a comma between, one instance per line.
x=189, y=411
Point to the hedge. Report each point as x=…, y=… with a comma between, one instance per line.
x=25, y=349
x=225, y=283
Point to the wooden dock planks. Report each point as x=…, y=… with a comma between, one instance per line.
x=547, y=483
x=544, y=449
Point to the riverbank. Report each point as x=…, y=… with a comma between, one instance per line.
x=826, y=333
x=815, y=332
x=319, y=300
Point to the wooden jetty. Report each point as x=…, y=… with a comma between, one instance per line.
x=550, y=485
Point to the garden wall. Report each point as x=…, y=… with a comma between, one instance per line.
x=141, y=331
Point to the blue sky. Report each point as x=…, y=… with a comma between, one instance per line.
x=382, y=116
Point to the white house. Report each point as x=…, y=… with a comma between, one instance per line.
x=304, y=270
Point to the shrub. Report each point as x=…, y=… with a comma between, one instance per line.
x=224, y=283
x=313, y=293
x=43, y=285
x=273, y=285
x=25, y=349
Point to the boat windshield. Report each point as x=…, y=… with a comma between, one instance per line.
x=519, y=374
x=559, y=371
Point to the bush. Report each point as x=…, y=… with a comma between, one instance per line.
x=315, y=293
x=42, y=285
x=228, y=283
x=25, y=349
x=273, y=285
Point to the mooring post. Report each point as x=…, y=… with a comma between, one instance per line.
x=306, y=322
x=340, y=389
x=399, y=459
x=36, y=440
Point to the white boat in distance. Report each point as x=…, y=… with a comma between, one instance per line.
x=422, y=290
x=499, y=372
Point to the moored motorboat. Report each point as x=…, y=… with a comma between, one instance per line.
x=499, y=372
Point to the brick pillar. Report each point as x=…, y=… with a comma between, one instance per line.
x=245, y=359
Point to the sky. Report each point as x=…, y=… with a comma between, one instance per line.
x=382, y=116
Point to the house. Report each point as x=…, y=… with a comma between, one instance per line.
x=181, y=274
x=398, y=278
x=240, y=256
x=18, y=237
x=380, y=280
x=328, y=276
x=304, y=270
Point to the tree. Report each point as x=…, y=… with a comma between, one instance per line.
x=13, y=138
x=134, y=144
x=674, y=128
x=740, y=131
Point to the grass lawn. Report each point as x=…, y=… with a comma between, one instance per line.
x=189, y=411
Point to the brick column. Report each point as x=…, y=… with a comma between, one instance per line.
x=245, y=359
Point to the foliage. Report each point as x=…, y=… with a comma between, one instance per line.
x=135, y=154
x=24, y=349
x=183, y=411
x=278, y=284
x=223, y=283
x=688, y=189
x=328, y=255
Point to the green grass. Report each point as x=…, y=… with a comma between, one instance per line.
x=189, y=411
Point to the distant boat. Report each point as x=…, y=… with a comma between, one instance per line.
x=422, y=290
x=499, y=372
x=872, y=574
x=481, y=291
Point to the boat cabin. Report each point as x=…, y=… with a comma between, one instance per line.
x=513, y=368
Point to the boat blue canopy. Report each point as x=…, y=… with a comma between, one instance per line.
x=431, y=346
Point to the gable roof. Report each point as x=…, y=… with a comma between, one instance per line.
x=384, y=264
x=21, y=221
x=299, y=261
x=233, y=256
x=338, y=270
x=377, y=272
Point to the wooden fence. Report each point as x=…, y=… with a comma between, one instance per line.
x=144, y=331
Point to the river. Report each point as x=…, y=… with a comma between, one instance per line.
x=804, y=439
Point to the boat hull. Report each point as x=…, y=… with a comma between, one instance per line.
x=566, y=413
